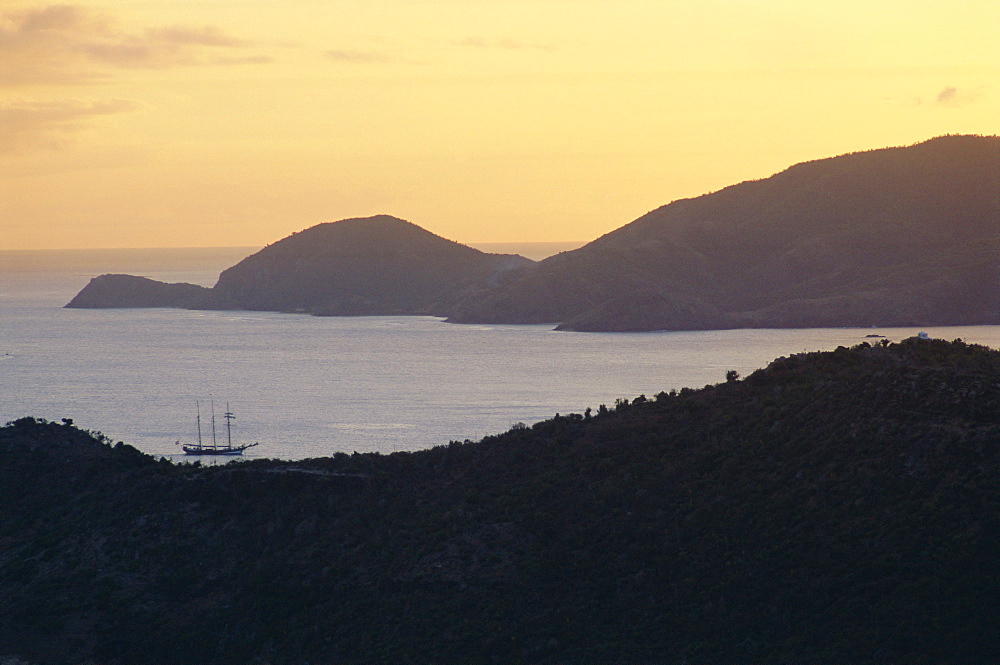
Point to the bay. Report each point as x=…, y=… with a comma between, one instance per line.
x=309, y=386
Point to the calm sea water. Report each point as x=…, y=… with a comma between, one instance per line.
x=306, y=386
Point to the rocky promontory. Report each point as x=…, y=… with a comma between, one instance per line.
x=378, y=265
x=108, y=291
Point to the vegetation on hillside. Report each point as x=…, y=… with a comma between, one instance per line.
x=839, y=507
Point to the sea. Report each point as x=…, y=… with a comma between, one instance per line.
x=305, y=387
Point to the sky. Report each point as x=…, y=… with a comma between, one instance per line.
x=201, y=123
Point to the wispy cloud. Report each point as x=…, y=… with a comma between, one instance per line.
x=61, y=45
x=505, y=43
x=205, y=36
x=401, y=54
x=29, y=126
x=947, y=95
x=954, y=97
x=360, y=57
x=68, y=44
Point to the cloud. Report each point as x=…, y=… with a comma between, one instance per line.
x=68, y=44
x=506, y=43
x=947, y=95
x=361, y=57
x=28, y=126
x=245, y=60
x=36, y=45
x=206, y=36
x=954, y=97
x=55, y=17
x=374, y=56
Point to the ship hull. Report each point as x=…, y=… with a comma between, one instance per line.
x=195, y=450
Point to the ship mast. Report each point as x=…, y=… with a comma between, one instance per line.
x=229, y=432
x=197, y=405
x=214, y=446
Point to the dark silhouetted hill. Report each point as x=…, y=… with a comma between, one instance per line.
x=894, y=237
x=375, y=265
x=839, y=507
x=130, y=291
x=365, y=266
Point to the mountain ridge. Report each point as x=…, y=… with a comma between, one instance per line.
x=905, y=236
x=373, y=265
x=359, y=266
x=869, y=229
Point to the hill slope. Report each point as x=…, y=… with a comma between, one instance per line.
x=111, y=291
x=364, y=266
x=374, y=265
x=895, y=237
x=832, y=508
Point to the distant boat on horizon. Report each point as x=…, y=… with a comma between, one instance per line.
x=214, y=448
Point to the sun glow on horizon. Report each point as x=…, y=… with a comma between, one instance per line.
x=142, y=124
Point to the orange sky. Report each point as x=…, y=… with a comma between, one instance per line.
x=144, y=123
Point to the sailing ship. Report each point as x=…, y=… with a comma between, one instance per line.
x=215, y=448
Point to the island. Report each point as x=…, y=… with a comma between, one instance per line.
x=891, y=237
x=364, y=266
